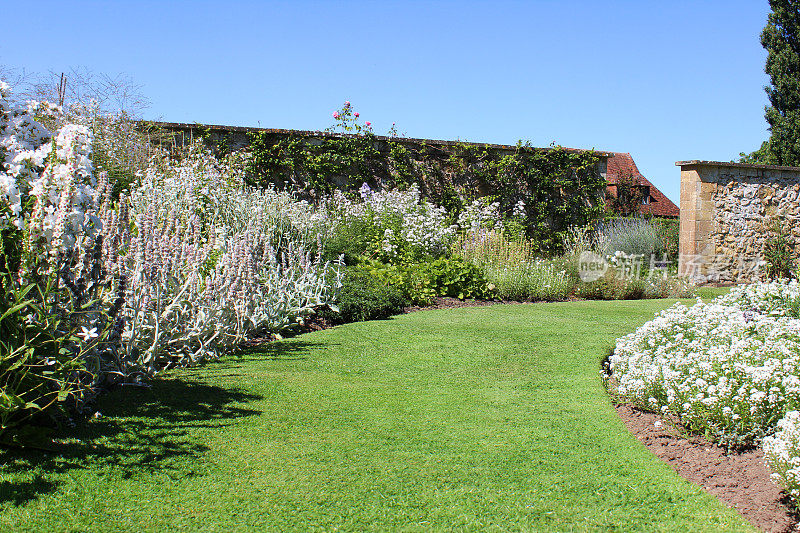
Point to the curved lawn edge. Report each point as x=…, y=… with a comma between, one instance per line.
x=469, y=419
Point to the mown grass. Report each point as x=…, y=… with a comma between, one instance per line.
x=709, y=293
x=477, y=419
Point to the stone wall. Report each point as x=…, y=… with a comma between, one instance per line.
x=235, y=138
x=728, y=211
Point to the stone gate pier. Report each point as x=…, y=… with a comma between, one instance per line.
x=728, y=211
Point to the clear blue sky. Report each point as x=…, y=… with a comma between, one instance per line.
x=665, y=81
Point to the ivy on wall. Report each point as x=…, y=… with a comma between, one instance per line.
x=560, y=188
x=315, y=167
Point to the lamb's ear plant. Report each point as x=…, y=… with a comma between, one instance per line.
x=210, y=262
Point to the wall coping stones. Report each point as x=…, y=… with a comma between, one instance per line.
x=217, y=128
x=695, y=163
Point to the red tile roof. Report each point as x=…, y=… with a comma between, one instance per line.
x=621, y=164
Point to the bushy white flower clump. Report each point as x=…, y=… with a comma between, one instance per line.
x=728, y=371
x=23, y=149
x=55, y=169
x=404, y=218
x=482, y=215
x=782, y=452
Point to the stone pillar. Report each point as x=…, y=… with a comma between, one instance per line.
x=728, y=212
x=697, y=250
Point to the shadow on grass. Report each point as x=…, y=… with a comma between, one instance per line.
x=285, y=350
x=142, y=431
x=23, y=491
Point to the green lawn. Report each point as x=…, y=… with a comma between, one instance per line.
x=490, y=418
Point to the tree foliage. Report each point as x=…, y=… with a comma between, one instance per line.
x=629, y=196
x=781, y=39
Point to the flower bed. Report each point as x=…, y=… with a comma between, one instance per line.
x=112, y=272
x=728, y=369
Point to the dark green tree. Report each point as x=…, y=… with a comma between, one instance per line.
x=781, y=39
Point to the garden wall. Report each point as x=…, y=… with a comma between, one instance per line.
x=543, y=191
x=728, y=212
x=430, y=153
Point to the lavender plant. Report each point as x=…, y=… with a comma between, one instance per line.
x=630, y=235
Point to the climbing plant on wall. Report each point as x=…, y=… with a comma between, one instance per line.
x=553, y=188
x=345, y=157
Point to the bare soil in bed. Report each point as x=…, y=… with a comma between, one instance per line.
x=740, y=480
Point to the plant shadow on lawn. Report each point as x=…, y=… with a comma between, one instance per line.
x=143, y=430
x=284, y=350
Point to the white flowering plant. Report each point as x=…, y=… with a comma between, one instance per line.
x=782, y=454
x=391, y=226
x=58, y=305
x=725, y=368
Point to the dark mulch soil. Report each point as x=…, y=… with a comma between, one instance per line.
x=740, y=480
x=452, y=303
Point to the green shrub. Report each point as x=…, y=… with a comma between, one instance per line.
x=779, y=253
x=455, y=278
x=352, y=239
x=668, y=232
x=362, y=296
x=407, y=278
x=54, y=350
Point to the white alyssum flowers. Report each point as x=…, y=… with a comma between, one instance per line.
x=729, y=369
x=726, y=371
x=782, y=453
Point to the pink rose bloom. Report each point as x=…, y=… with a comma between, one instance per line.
x=356, y=115
x=368, y=124
x=347, y=104
x=335, y=114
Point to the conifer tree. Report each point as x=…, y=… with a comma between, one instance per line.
x=781, y=38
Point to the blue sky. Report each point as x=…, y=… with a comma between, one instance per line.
x=665, y=81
